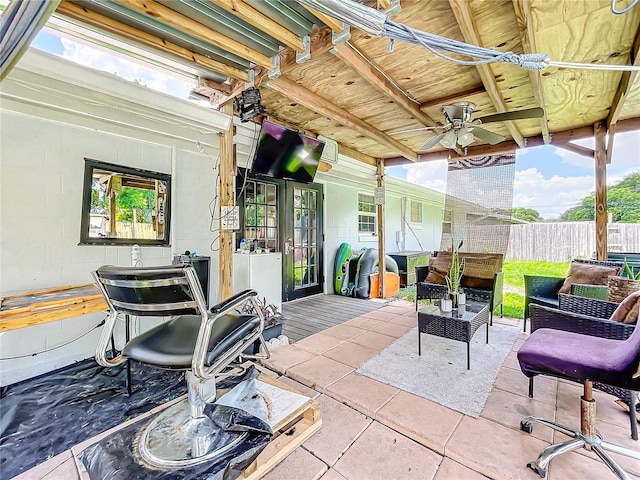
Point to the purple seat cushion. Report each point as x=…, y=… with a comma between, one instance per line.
x=581, y=357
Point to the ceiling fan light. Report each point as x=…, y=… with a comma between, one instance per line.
x=465, y=137
x=449, y=139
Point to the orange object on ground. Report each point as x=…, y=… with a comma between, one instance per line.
x=391, y=285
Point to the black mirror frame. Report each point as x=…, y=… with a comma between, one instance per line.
x=85, y=239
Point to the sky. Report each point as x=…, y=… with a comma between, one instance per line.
x=547, y=179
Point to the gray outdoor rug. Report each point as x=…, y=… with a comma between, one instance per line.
x=440, y=374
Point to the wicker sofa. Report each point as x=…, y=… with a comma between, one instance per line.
x=543, y=290
x=586, y=316
x=489, y=290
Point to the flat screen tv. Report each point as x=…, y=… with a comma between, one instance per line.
x=286, y=154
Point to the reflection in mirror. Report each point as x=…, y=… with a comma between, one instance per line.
x=124, y=206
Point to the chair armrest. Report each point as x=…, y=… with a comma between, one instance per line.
x=430, y=291
x=498, y=289
x=234, y=300
x=545, y=317
x=200, y=369
x=586, y=306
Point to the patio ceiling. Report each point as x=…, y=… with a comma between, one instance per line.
x=363, y=93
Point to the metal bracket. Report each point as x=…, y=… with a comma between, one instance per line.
x=252, y=77
x=305, y=55
x=275, y=72
x=393, y=9
x=338, y=38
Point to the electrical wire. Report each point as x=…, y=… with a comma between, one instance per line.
x=57, y=346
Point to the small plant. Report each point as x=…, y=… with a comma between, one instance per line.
x=270, y=312
x=456, y=270
x=629, y=269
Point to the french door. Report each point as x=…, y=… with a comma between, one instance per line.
x=302, y=240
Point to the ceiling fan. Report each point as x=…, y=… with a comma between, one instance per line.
x=460, y=129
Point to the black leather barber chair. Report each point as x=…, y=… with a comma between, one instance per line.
x=202, y=343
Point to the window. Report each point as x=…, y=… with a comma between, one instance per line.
x=261, y=214
x=124, y=206
x=366, y=214
x=416, y=212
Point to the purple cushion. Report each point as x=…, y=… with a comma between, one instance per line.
x=581, y=357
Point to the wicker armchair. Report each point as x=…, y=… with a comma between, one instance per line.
x=435, y=291
x=543, y=290
x=586, y=316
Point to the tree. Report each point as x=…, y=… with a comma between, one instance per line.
x=526, y=214
x=623, y=202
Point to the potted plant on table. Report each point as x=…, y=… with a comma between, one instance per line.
x=454, y=277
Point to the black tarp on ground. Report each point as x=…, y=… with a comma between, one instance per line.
x=46, y=415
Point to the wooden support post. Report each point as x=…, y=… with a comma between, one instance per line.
x=380, y=214
x=225, y=193
x=601, y=190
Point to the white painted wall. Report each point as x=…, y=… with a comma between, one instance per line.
x=342, y=184
x=42, y=153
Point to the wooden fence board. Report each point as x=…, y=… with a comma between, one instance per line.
x=560, y=242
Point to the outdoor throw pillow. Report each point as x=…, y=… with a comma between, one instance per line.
x=439, y=268
x=628, y=310
x=586, y=273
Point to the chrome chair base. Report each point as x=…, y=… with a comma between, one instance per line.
x=578, y=440
x=177, y=440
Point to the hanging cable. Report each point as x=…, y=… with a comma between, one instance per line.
x=378, y=24
x=614, y=7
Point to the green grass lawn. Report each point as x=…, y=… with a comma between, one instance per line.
x=514, y=271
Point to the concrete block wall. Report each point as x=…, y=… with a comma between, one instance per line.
x=41, y=181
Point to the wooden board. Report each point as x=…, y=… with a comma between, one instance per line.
x=49, y=305
x=289, y=433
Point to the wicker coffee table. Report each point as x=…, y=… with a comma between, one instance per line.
x=460, y=324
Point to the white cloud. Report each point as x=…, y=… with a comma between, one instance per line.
x=625, y=152
x=429, y=174
x=550, y=196
x=92, y=57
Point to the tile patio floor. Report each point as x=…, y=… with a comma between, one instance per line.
x=373, y=431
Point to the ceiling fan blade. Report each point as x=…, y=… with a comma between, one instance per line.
x=536, y=112
x=486, y=135
x=432, y=142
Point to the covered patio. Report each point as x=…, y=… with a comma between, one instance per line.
x=379, y=101
x=372, y=430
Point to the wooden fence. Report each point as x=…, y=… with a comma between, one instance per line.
x=560, y=242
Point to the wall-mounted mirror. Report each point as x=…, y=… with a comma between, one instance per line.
x=124, y=206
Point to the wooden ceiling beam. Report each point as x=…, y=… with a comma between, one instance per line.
x=470, y=33
x=96, y=20
x=625, y=83
x=524, y=18
x=454, y=97
x=253, y=17
x=365, y=68
x=320, y=105
x=187, y=25
x=559, y=139
x=330, y=22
